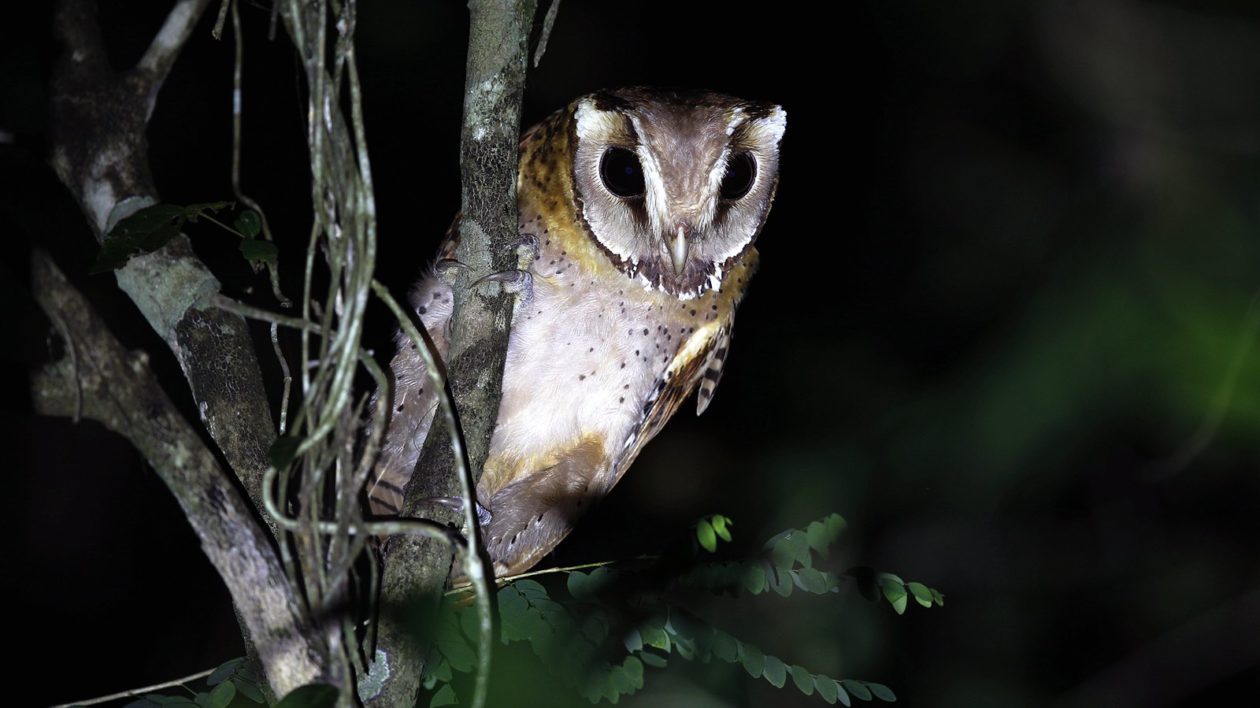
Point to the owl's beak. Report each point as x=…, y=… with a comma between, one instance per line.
x=678, y=251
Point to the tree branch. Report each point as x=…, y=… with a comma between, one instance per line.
x=98, y=123
x=417, y=569
x=117, y=388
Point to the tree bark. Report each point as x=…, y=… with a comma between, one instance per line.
x=417, y=569
x=99, y=379
x=100, y=153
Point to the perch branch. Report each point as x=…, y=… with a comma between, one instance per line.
x=416, y=568
x=98, y=124
x=120, y=391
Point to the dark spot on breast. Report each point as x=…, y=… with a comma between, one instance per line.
x=693, y=313
x=400, y=407
x=591, y=349
x=422, y=309
x=623, y=364
x=645, y=331
x=581, y=377
x=621, y=399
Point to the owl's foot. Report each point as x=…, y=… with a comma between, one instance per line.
x=526, y=251
x=457, y=504
x=516, y=282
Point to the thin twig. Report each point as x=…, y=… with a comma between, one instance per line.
x=273, y=274
x=548, y=22
x=224, y=302
x=138, y=691
x=217, y=32
x=479, y=571
x=423, y=527
x=504, y=581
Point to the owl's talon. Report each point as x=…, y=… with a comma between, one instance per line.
x=513, y=281
x=447, y=264
x=457, y=504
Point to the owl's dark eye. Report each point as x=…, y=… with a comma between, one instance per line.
x=741, y=172
x=621, y=172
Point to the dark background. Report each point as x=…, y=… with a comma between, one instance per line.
x=1004, y=324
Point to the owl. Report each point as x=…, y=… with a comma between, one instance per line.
x=639, y=208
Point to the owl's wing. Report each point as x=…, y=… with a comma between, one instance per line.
x=698, y=361
x=413, y=401
x=713, y=364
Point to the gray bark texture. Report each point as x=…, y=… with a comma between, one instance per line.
x=100, y=154
x=417, y=569
x=97, y=378
x=99, y=151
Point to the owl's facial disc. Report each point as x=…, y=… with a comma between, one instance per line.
x=673, y=187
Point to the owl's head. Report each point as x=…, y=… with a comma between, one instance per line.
x=674, y=186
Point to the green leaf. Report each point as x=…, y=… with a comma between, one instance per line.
x=146, y=231
x=835, y=525
x=781, y=581
x=283, y=450
x=248, y=223
x=620, y=680
x=938, y=597
x=595, y=629
x=882, y=692
x=259, y=253
x=656, y=637
x=754, y=579
x=922, y=594
x=819, y=539
x=225, y=671
x=895, y=590
x=531, y=589
x=456, y=649
x=634, y=669
x=753, y=660
x=811, y=580
x=842, y=695
x=222, y=695
x=775, y=672
x=803, y=679
x=794, y=547
x=725, y=647
x=706, y=536
x=312, y=695
x=720, y=524
x=248, y=689
x=169, y=700
x=444, y=697
x=856, y=688
x=580, y=587
x=827, y=688
x=633, y=641
x=653, y=659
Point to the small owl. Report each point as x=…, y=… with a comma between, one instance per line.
x=641, y=207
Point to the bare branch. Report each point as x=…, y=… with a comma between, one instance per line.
x=548, y=22
x=498, y=56
x=166, y=45
x=120, y=391
x=99, y=120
